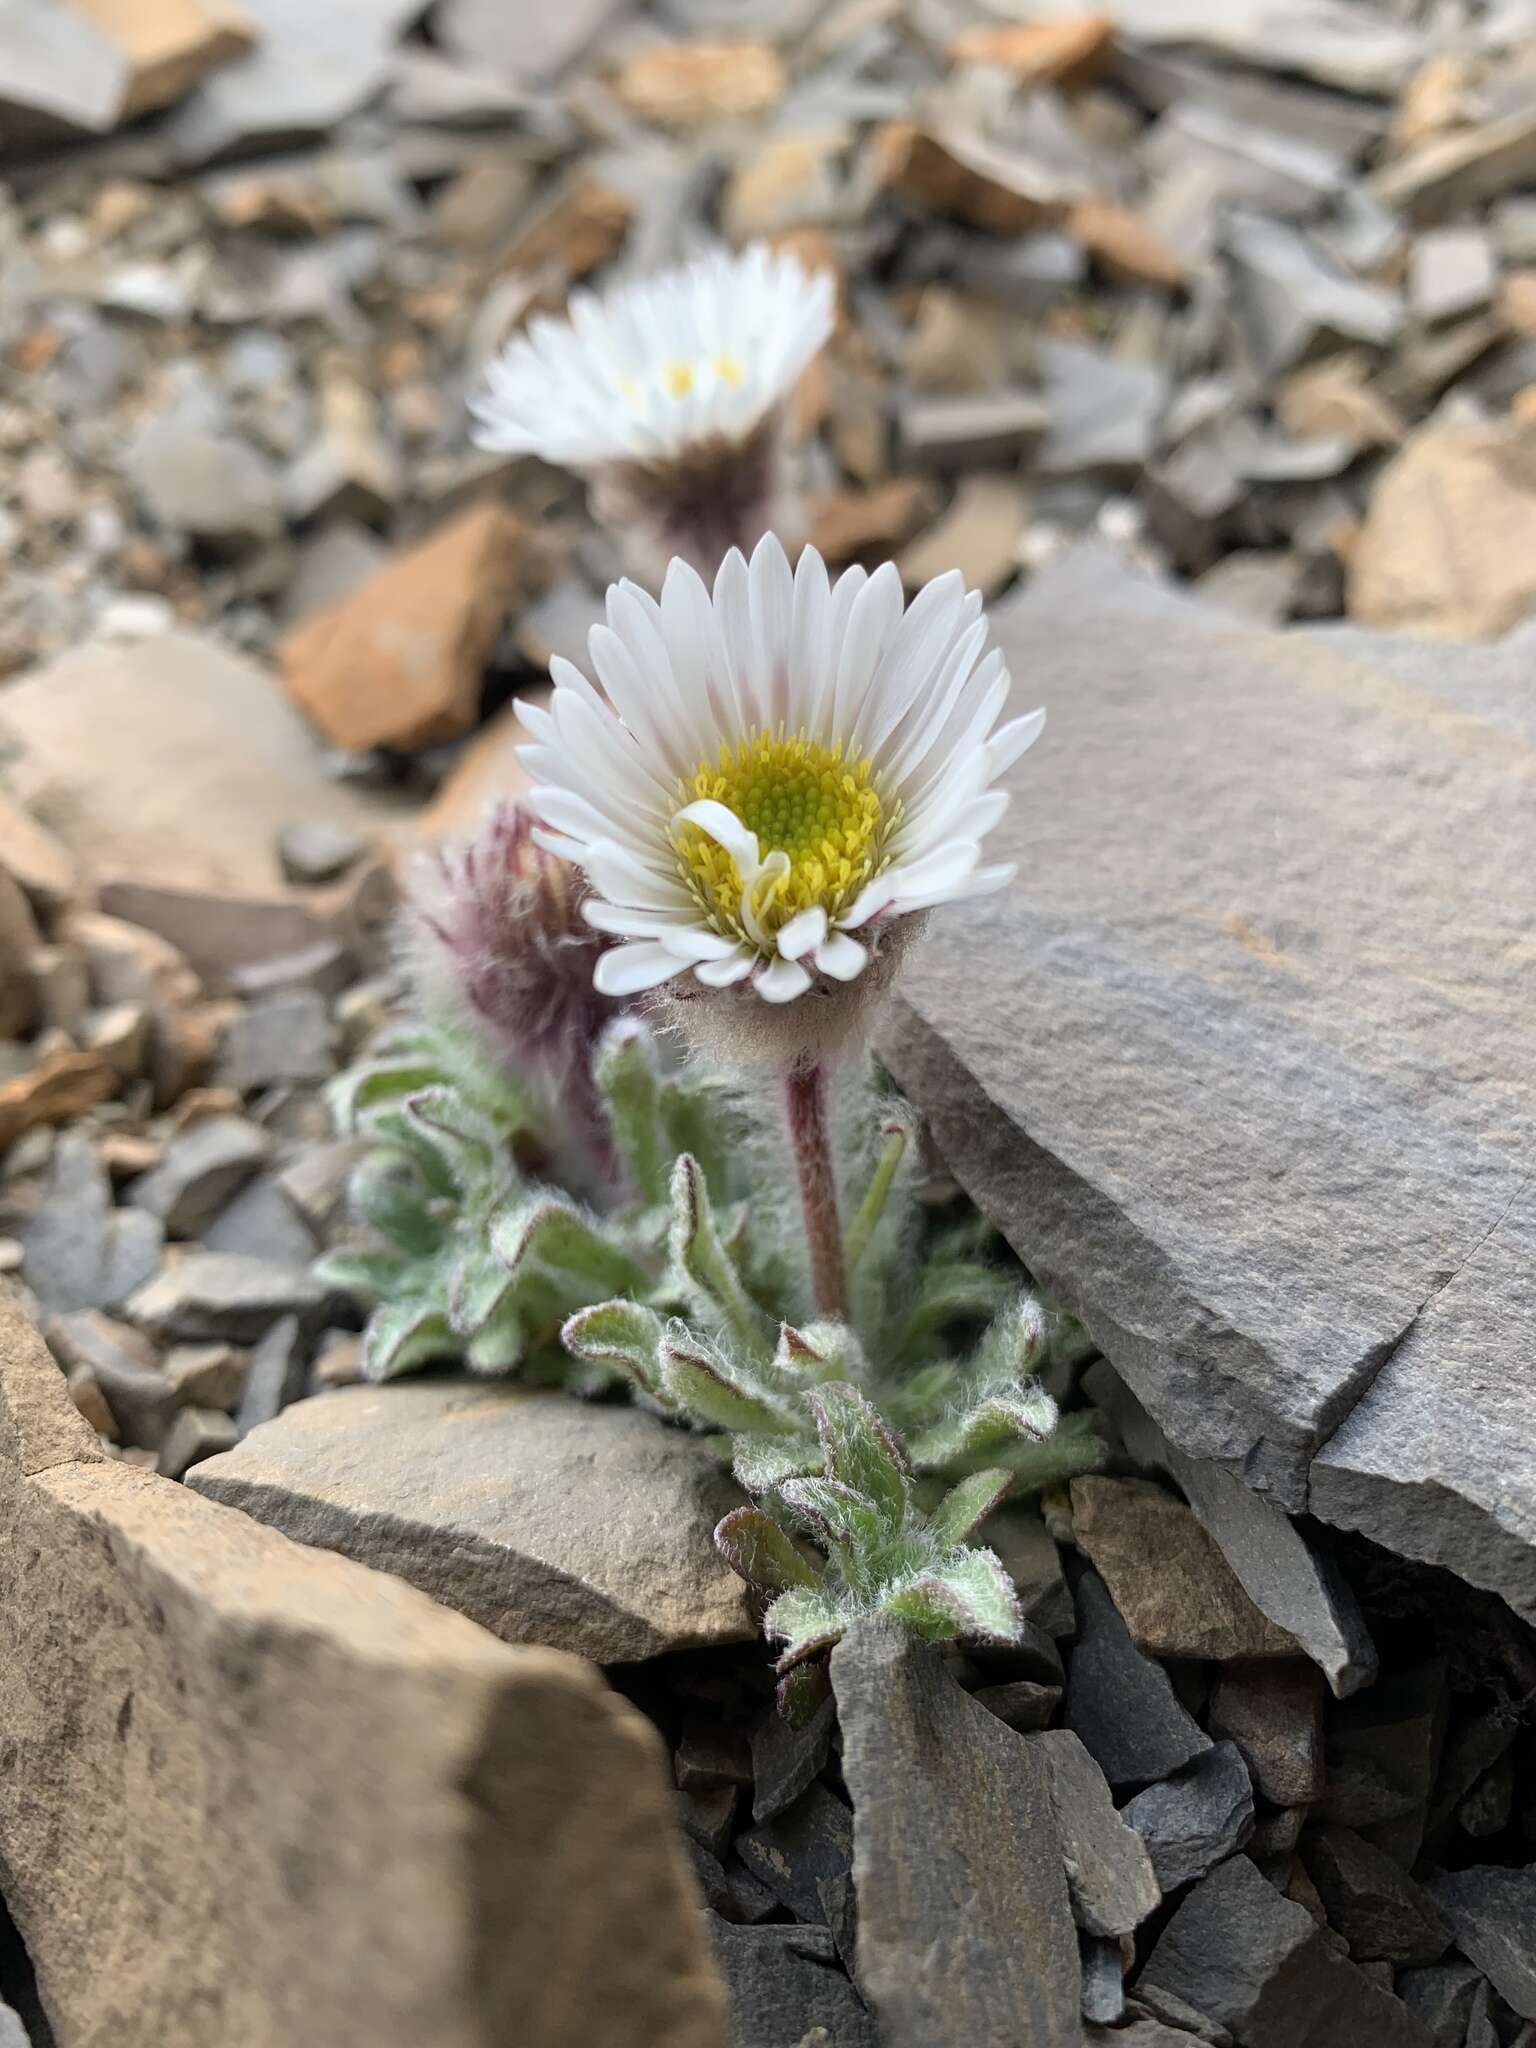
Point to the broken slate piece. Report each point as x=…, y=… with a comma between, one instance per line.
x=1274, y=1714
x=196, y=1433
x=1021, y=1703
x=1372, y=1901
x=1170, y=1582
x=949, y=1807
x=787, y=1985
x=585, y=1528
x=786, y=1760
x=800, y=1848
x=275, y=1375
x=1451, y=272
x=78, y=1250
x=1260, y=1964
x=1196, y=1819
x=1492, y=1912
x=1442, y=1995
x=1292, y=302
x=279, y=1040
x=1109, y=1874
x=1103, y=412
x=1122, y=1704
x=1285, y=1574
x=1103, y=1979
x=1382, y=1753
x=205, y=1296
x=202, y=1168
x=967, y=431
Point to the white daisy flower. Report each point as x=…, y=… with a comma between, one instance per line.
x=669, y=394
x=776, y=774
x=687, y=358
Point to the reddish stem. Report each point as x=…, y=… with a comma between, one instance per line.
x=805, y=1113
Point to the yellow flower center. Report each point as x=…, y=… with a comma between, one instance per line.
x=678, y=378
x=802, y=799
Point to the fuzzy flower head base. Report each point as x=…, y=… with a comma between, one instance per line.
x=497, y=935
x=668, y=393
x=777, y=776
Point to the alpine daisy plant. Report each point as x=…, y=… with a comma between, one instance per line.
x=668, y=393
x=774, y=781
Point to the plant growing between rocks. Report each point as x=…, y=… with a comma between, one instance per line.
x=548, y=1193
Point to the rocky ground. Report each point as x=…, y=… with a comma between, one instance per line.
x=1247, y=295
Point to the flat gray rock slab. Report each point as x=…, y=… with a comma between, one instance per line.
x=964, y=1928
x=547, y=1520
x=1110, y=1878
x=1248, y=1083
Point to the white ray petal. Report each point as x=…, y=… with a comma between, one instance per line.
x=803, y=932
x=842, y=958
x=781, y=981
x=626, y=970
x=723, y=973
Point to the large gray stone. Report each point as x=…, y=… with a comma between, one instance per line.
x=1492, y=1912
x=1336, y=44
x=258, y=1794
x=1261, y=1965
x=1248, y=1083
x=547, y=1520
x=964, y=1930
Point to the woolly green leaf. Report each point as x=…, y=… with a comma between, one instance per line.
x=369, y=1273
x=761, y=1463
x=388, y=1193
x=1075, y=1447
x=896, y=1134
x=548, y=1233
x=1013, y=1345
x=500, y=1344
x=701, y=1114
x=1027, y=1412
x=471, y=1138
x=802, y=1690
x=361, y=1089
x=860, y=1449
x=396, y=1131
x=806, y=1620
x=981, y=1594
x=967, y=1505
x=699, y=1254
x=626, y=1077
x=707, y=1389
x=816, y=1352
x=759, y=1551
x=962, y=1292
x=403, y=1334
x=478, y=1286
x=834, y=1513
x=625, y=1336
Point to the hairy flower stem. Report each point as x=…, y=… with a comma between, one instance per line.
x=805, y=1112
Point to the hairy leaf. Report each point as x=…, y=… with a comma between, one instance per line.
x=622, y=1335
x=759, y=1551
x=967, y=1505
x=706, y=1387
x=861, y=1450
